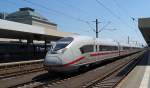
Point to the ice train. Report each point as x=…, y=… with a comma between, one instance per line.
x=76, y=52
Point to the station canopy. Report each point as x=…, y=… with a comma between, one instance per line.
x=144, y=26
x=15, y=30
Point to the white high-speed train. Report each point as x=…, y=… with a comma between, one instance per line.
x=76, y=52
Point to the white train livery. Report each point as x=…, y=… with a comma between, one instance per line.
x=76, y=52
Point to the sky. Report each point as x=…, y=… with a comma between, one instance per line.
x=118, y=19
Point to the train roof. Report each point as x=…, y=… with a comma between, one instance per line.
x=98, y=40
x=103, y=41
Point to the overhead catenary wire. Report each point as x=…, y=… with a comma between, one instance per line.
x=81, y=10
x=77, y=8
x=133, y=19
x=69, y=5
x=104, y=26
x=85, y=12
x=54, y=11
x=113, y=14
x=58, y=12
x=125, y=11
x=127, y=14
x=90, y=26
x=122, y=9
x=61, y=13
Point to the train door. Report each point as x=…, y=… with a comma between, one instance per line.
x=76, y=49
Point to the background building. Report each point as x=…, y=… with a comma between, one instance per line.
x=26, y=35
x=29, y=16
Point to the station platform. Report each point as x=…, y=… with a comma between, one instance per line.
x=139, y=77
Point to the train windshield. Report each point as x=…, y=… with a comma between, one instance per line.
x=62, y=43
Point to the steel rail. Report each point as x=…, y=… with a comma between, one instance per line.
x=111, y=80
x=111, y=68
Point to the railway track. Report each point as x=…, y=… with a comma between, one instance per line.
x=19, y=68
x=92, y=78
x=115, y=77
x=102, y=77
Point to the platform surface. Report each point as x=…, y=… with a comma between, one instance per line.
x=139, y=77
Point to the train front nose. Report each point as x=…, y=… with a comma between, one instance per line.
x=52, y=60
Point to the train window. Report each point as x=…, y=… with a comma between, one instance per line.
x=59, y=46
x=62, y=43
x=125, y=48
x=66, y=39
x=107, y=48
x=114, y=47
x=87, y=48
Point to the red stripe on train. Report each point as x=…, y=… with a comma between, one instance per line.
x=76, y=60
x=92, y=54
x=82, y=57
x=102, y=53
